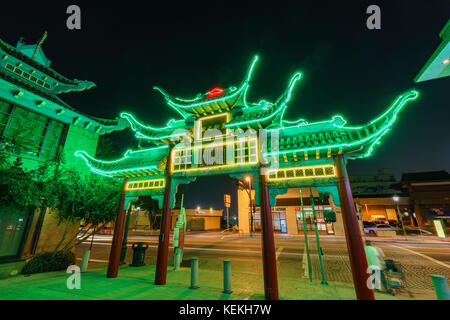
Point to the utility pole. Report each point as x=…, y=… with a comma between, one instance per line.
x=125, y=236
x=399, y=214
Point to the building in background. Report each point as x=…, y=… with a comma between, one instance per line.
x=287, y=214
x=429, y=195
x=31, y=109
x=438, y=65
x=197, y=219
x=415, y=201
x=376, y=199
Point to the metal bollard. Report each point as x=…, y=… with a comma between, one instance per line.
x=227, y=276
x=194, y=273
x=85, y=261
x=441, y=287
x=176, y=259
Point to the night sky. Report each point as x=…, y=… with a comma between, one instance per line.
x=190, y=47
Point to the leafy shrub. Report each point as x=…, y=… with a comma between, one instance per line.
x=49, y=261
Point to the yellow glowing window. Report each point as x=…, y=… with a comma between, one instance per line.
x=146, y=184
x=311, y=172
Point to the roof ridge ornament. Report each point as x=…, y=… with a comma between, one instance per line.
x=39, y=44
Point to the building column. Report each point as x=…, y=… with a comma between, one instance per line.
x=164, y=235
x=358, y=261
x=119, y=228
x=268, y=240
x=291, y=221
x=418, y=213
x=243, y=219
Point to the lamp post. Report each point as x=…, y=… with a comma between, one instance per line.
x=123, y=253
x=399, y=214
x=319, y=249
x=360, y=219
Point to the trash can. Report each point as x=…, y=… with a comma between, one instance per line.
x=139, y=254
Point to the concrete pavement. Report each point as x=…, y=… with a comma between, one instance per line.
x=418, y=259
x=136, y=283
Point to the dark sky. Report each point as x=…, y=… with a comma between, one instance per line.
x=188, y=47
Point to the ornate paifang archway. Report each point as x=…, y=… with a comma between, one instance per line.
x=278, y=153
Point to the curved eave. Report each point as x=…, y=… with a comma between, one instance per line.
x=173, y=129
x=80, y=85
x=357, y=142
x=132, y=164
x=43, y=102
x=10, y=50
x=203, y=105
x=265, y=114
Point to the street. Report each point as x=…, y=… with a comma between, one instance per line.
x=419, y=258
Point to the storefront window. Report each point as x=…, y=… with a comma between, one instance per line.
x=309, y=221
x=12, y=228
x=278, y=219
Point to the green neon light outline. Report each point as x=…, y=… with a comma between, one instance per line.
x=127, y=115
x=176, y=105
x=333, y=118
x=143, y=136
x=283, y=106
x=370, y=150
x=132, y=120
x=296, y=121
x=410, y=95
x=87, y=157
x=376, y=141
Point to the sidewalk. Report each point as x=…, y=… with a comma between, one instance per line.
x=136, y=283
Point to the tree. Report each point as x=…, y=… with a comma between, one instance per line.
x=74, y=196
x=92, y=200
x=152, y=210
x=17, y=187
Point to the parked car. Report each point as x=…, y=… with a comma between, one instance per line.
x=394, y=223
x=380, y=222
x=372, y=228
x=410, y=231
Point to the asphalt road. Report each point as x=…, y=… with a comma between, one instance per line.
x=418, y=258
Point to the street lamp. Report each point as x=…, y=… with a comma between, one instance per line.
x=396, y=199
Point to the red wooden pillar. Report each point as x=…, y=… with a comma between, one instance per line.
x=119, y=229
x=268, y=241
x=164, y=235
x=357, y=255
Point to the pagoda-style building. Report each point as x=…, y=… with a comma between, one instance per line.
x=30, y=100
x=37, y=126
x=221, y=132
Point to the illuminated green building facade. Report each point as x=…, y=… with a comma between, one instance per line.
x=34, y=117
